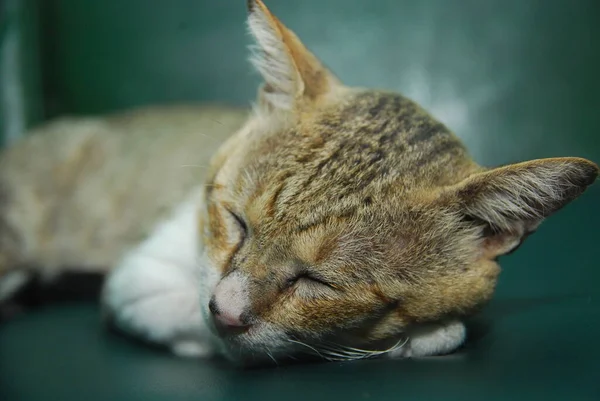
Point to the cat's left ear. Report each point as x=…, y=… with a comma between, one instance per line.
x=511, y=201
x=292, y=74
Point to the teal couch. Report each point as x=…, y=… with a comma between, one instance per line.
x=515, y=79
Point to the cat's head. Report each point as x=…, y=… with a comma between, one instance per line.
x=341, y=215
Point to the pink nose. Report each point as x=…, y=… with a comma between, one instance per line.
x=226, y=323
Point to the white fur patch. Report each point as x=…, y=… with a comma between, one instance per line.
x=432, y=339
x=154, y=293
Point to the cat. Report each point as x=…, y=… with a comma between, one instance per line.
x=335, y=221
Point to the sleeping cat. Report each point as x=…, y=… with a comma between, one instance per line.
x=335, y=221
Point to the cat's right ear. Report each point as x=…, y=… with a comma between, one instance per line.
x=293, y=76
x=511, y=201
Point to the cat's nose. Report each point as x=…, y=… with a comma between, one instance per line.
x=227, y=323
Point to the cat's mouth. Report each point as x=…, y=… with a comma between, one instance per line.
x=258, y=340
x=264, y=344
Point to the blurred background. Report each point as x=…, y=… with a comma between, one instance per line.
x=515, y=79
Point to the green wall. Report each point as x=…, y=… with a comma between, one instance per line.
x=21, y=102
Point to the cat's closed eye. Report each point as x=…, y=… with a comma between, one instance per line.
x=308, y=280
x=240, y=223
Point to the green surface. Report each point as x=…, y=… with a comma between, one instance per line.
x=535, y=349
x=515, y=79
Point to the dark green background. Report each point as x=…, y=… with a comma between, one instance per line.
x=515, y=79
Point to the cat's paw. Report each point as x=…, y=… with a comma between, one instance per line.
x=159, y=303
x=432, y=339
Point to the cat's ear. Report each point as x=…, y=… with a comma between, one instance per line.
x=291, y=73
x=511, y=201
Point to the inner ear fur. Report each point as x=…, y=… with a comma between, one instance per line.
x=513, y=200
x=291, y=73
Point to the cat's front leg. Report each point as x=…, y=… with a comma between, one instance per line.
x=155, y=293
x=432, y=339
x=157, y=301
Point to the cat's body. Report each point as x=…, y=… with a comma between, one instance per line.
x=80, y=191
x=339, y=221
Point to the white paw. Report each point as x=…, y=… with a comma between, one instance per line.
x=432, y=339
x=157, y=302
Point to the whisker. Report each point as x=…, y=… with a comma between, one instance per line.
x=268, y=351
x=338, y=352
x=332, y=355
x=359, y=353
x=307, y=346
x=351, y=357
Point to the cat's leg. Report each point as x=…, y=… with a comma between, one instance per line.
x=155, y=293
x=432, y=339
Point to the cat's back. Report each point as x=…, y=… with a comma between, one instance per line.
x=80, y=191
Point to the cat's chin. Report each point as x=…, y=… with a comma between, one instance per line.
x=261, y=344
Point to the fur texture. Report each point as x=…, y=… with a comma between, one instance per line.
x=339, y=222
x=61, y=186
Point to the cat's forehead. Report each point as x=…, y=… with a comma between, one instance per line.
x=337, y=160
x=362, y=105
